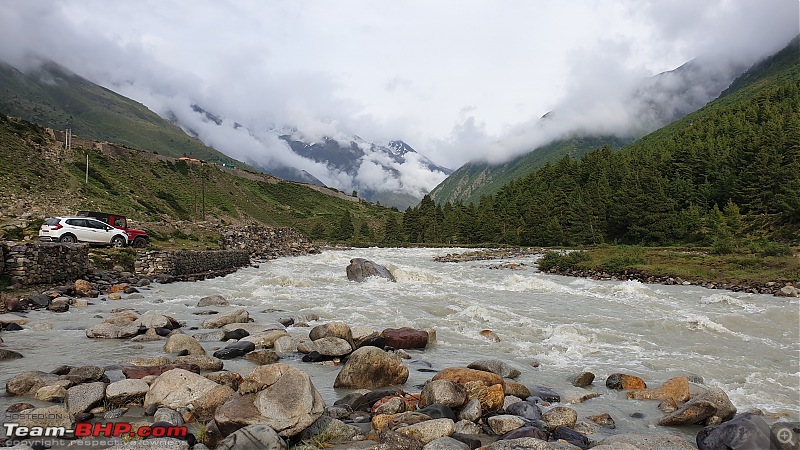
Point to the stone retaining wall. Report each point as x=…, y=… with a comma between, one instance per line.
x=43, y=262
x=190, y=265
x=268, y=242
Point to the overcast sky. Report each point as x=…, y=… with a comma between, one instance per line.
x=451, y=77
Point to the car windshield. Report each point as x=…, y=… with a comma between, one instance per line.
x=120, y=222
x=52, y=222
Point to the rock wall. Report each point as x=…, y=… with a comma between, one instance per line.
x=190, y=265
x=44, y=262
x=240, y=245
x=268, y=242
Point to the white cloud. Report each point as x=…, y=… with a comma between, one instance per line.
x=457, y=79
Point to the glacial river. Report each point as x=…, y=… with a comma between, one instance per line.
x=746, y=344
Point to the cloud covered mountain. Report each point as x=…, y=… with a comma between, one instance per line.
x=592, y=116
x=394, y=173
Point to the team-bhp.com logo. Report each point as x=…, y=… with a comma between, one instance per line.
x=85, y=429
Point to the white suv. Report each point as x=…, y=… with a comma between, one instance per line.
x=81, y=229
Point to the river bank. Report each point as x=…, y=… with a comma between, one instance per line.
x=562, y=326
x=774, y=275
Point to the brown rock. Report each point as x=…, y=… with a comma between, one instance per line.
x=405, y=338
x=407, y=418
x=381, y=421
x=604, y=420
x=371, y=368
x=83, y=288
x=262, y=356
x=238, y=412
x=227, y=378
x=675, y=388
x=463, y=376
x=27, y=383
x=621, y=381
x=710, y=407
x=668, y=406
x=583, y=379
x=560, y=416
x=689, y=414
x=121, y=287
x=339, y=330
x=13, y=305
x=517, y=389
x=490, y=397
x=490, y=335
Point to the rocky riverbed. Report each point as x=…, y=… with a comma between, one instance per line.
x=241, y=375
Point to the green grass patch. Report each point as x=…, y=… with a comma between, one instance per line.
x=692, y=264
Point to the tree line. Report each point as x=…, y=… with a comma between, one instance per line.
x=729, y=171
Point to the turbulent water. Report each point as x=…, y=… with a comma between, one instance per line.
x=746, y=344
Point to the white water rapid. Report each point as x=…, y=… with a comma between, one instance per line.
x=746, y=344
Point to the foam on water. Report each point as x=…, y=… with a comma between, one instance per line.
x=746, y=344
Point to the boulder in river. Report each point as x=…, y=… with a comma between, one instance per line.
x=178, y=388
x=621, y=381
x=743, y=431
x=405, y=337
x=360, y=269
x=371, y=368
x=710, y=407
x=675, y=388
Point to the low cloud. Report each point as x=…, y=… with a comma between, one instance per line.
x=454, y=93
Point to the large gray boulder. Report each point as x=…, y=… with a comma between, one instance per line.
x=237, y=316
x=82, y=397
x=27, y=383
x=286, y=398
x=126, y=391
x=445, y=392
x=360, y=269
x=178, y=388
x=371, y=368
x=181, y=342
x=711, y=407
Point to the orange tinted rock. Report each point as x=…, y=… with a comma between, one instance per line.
x=463, y=376
x=120, y=287
x=490, y=397
x=623, y=381
x=675, y=388
x=83, y=288
x=490, y=335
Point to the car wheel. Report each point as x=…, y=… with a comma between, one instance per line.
x=68, y=239
x=118, y=242
x=139, y=242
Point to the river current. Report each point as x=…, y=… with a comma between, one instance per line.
x=744, y=343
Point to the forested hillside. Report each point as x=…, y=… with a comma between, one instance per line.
x=39, y=178
x=730, y=170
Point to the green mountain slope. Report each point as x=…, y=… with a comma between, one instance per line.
x=57, y=98
x=475, y=179
x=726, y=175
x=39, y=177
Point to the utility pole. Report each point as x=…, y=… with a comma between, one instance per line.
x=203, y=189
x=87, y=168
x=194, y=190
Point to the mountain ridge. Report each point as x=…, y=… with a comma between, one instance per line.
x=654, y=102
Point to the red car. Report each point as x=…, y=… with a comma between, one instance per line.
x=136, y=238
